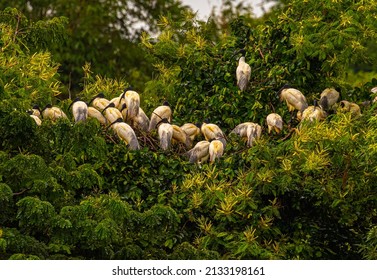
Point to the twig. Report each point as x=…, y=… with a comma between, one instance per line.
x=289, y=134
x=16, y=31
x=260, y=52
x=21, y=192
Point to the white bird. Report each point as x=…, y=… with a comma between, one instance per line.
x=180, y=136
x=95, y=114
x=79, y=110
x=200, y=152
x=212, y=131
x=132, y=99
x=141, y=121
x=312, y=113
x=111, y=113
x=294, y=98
x=243, y=72
x=165, y=133
x=215, y=150
x=35, y=118
x=99, y=101
x=125, y=133
x=118, y=102
x=274, y=122
x=161, y=112
x=329, y=97
x=353, y=108
x=36, y=111
x=248, y=131
x=192, y=130
x=53, y=113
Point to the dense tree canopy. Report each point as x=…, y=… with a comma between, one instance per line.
x=103, y=33
x=75, y=191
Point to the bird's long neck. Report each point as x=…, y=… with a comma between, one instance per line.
x=242, y=59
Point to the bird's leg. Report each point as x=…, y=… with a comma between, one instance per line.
x=290, y=120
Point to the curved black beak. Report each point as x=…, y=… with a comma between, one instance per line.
x=99, y=95
x=116, y=121
x=75, y=100
x=124, y=106
x=242, y=51
x=111, y=105
x=47, y=106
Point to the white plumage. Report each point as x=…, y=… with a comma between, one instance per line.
x=125, y=133
x=53, y=113
x=141, y=121
x=79, y=110
x=212, y=131
x=165, y=134
x=200, y=152
x=294, y=98
x=329, y=97
x=215, y=150
x=95, y=114
x=111, y=113
x=274, y=122
x=312, y=113
x=192, y=130
x=243, y=72
x=161, y=112
x=179, y=135
x=249, y=131
x=132, y=100
x=36, y=119
x=99, y=102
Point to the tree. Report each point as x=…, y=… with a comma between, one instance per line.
x=103, y=33
x=312, y=52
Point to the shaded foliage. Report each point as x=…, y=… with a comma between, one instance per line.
x=103, y=33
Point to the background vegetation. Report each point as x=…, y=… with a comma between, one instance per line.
x=74, y=191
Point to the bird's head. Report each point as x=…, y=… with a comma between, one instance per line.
x=324, y=103
x=124, y=106
x=128, y=88
x=36, y=107
x=206, y=121
x=125, y=90
x=344, y=104
x=281, y=89
x=241, y=51
x=163, y=120
x=166, y=103
x=74, y=101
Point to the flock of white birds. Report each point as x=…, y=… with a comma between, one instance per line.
x=124, y=115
